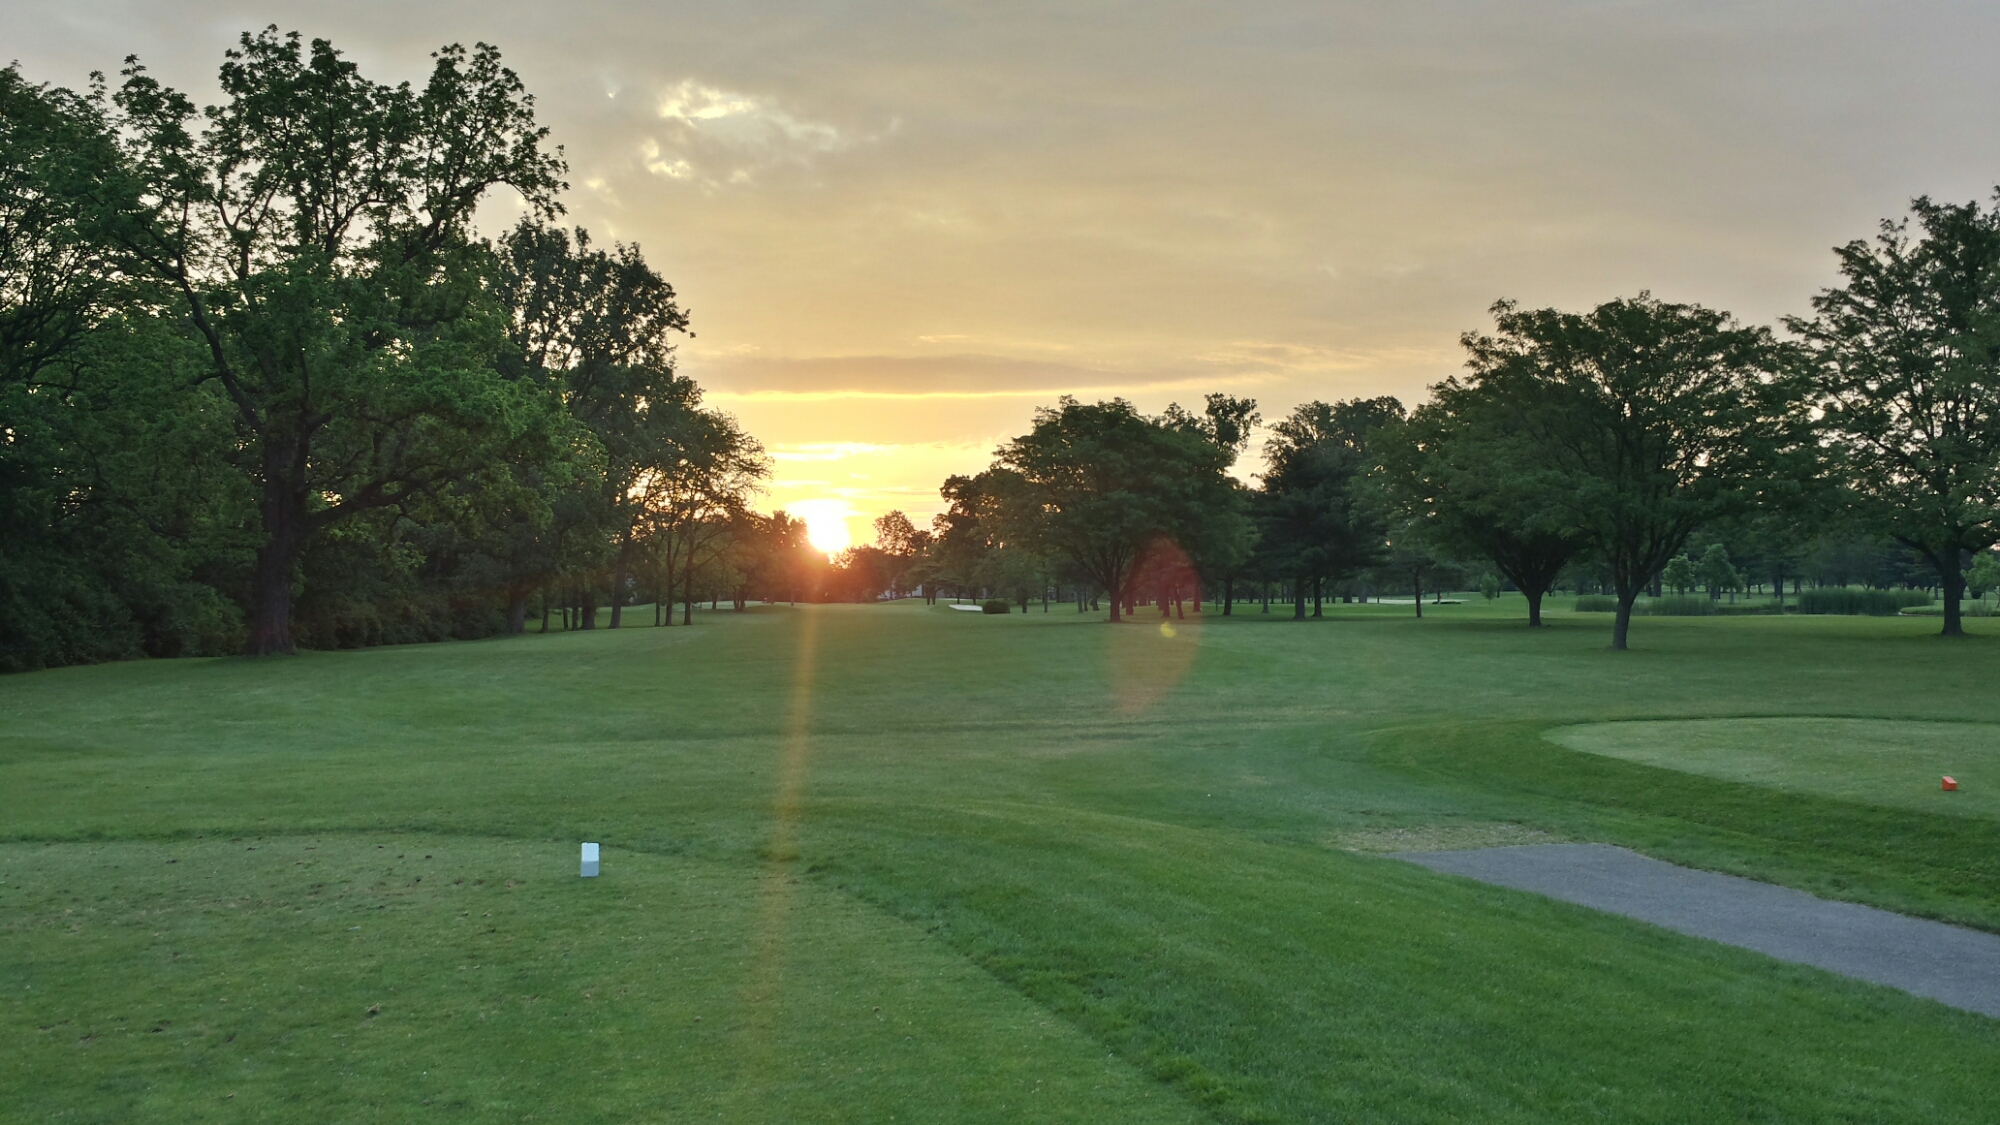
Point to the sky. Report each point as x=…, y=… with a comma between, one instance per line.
x=901, y=227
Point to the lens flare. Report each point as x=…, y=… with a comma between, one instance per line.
x=1146, y=665
x=765, y=986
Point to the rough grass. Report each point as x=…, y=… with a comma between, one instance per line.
x=1120, y=863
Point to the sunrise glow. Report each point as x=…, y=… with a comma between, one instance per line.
x=826, y=524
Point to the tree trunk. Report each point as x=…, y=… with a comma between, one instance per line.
x=1316, y=595
x=517, y=612
x=687, y=608
x=1621, y=625
x=1417, y=584
x=284, y=515
x=618, y=576
x=1117, y=598
x=1534, y=606
x=586, y=608
x=1953, y=580
x=1299, y=600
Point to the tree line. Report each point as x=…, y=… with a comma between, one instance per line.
x=1601, y=442
x=263, y=384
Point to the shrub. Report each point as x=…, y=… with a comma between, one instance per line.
x=995, y=605
x=1853, y=602
x=1596, y=603
x=1678, y=605
x=1965, y=608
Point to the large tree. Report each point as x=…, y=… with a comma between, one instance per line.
x=115, y=492
x=1465, y=479
x=1317, y=515
x=315, y=230
x=1099, y=483
x=598, y=327
x=1909, y=375
x=1644, y=420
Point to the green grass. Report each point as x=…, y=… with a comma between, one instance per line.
x=1873, y=761
x=1083, y=873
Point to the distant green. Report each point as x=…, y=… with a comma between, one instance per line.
x=1898, y=762
x=1084, y=873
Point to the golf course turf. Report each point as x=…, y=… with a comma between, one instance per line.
x=872, y=863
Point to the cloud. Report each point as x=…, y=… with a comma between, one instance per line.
x=744, y=122
x=716, y=137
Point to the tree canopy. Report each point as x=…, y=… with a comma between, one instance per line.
x=1908, y=375
x=1101, y=483
x=1641, y=420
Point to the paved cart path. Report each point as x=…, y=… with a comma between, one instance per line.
x=1951, y=964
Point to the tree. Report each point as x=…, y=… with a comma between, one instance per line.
x=902, y=544
x=696, y=485
x=116, y=490
x=1717, y=572
x=1680, y=574
x=1317, y=517
x=598, y=328
x=1098, y=483
x=960, y=535
x=1228, y=539
x=61, y=180
x=1643, y=420
x=1465, y=476
x=316, y=235
x=1908, y=358
x=1984, y=574
x=766, y=555
x=1410, y=556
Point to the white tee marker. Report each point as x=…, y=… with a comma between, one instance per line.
x=590, y=861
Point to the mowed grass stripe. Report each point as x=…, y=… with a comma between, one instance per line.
x=1284, y=983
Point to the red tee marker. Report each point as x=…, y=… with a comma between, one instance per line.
x=1950, y=784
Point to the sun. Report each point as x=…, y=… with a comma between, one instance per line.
x=826, y=524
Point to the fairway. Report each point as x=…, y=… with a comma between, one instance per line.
x=1877, y=761
x=871, y=863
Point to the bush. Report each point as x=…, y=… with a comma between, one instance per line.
x=995, y=605
x=1678, y=605
x=1868, y=603
x=1965, y=608
x=1596, y=603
